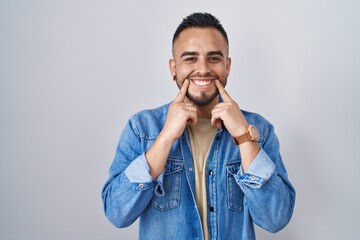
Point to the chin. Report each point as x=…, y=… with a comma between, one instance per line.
x=202, y=100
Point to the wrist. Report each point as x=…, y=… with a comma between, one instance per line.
x=252, y=134
x=166, y=138
x=240, y=130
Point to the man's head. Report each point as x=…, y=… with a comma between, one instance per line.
x=200, y=54
x=200, y=20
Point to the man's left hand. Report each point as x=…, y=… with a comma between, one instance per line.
x=229, y=113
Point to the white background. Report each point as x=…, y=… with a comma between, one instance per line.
x=73, y=72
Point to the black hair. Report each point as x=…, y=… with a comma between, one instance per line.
x=200, y=20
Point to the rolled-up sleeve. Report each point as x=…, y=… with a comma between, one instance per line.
x=260, y=170
x=138, y=172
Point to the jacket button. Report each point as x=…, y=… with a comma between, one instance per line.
x=211, y=172
x=190, y=169
x=253, y=178
x=141, y=185
x=211, y=209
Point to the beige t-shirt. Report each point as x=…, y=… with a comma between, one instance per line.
x=201, y=136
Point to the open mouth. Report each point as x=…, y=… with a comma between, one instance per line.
x=201, y=83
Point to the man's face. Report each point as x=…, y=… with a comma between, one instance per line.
x=200, y=55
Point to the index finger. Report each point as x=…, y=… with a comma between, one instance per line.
x=225, y=96
x=181, y=95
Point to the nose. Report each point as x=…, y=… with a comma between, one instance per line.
x=202, y=67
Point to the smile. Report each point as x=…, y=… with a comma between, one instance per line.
x=202, y=83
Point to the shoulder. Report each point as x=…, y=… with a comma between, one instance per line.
x=149, y=122
x=151, y=114
x=255, y=118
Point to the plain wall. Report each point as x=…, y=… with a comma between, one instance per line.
x=73, y=72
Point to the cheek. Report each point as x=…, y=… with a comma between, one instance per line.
x=222, y=73
x=182, y=71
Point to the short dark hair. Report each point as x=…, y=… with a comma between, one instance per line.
x=200, y=20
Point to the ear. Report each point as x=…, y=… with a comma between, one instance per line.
x=228, y=66
x=172, y=67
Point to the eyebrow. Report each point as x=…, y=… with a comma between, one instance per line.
x=193, y=53
x=215, y=53
x=189, y=53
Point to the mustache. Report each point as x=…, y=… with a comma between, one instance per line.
x=206, y=75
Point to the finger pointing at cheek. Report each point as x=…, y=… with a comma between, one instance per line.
x=181, y=95
x=224, y=95
x=180, y=114
x=228, y=113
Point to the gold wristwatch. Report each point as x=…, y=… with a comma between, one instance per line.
x=252, y=134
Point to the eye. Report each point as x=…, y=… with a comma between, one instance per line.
x=214, y=59
x=190, y=59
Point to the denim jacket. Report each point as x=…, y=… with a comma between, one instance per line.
x=166, y=205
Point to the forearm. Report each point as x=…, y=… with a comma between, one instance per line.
x=268, y=192
x=271, y=206
x=248, y=152
x=124, y=201
x=158, y=154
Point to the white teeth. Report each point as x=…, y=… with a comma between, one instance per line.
x=202, y=83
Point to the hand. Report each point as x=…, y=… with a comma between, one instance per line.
x=229, y=113
x=181, y=113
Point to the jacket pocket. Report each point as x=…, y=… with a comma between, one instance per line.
x=171, y=186
x=235, y=197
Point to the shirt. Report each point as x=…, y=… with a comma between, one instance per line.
x=201, y=136
x=167, y=207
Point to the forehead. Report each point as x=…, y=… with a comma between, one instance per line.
x=200, y=40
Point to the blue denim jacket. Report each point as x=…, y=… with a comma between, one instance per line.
x=166, y=205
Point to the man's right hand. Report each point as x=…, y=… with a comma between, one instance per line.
x=181, y=113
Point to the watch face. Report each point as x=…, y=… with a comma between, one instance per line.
x=254, y=133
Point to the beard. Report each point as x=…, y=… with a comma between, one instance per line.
x=204, y=99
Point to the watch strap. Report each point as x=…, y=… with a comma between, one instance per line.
x=243, y=138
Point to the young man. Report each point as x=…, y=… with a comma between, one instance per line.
x=199, y=167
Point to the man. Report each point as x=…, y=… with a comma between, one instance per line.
x=199, y=167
